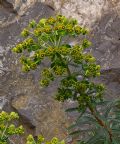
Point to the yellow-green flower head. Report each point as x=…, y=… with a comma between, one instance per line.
x=38, y=31
x=47, y=73
x=24, y=44
x=60, y=27
x=47, y=29
x=60, y=18
x=98, y=67
x=11, y=129
x=47, y=142
x=64, y=50
x=50, y=51
x=4, y=116
x=92, y=70
x=51, y=20
x=15, y=49
x=25, y=33
x=30, y=41
x=2, y=127
x=18, y=48
x=32, y=24
x=44, y=82
x=88, y=73
x=101, y=87
x=69, y=28
x=62, y=142
x=84, y=31
x=77, y=58
x=42, y=22
x=54, y=141
x=56, y=27
x=59, y=70
x=30, y=138
x=41, y=54
x=14, y=115
x=76, y=50
x=33, y=65
x=41, y=139
x=73, y=22
x=89, y=58
x=28, y=142
x=80, y=86
x=78, y=29
x=86, y=43
x=98, y=74
x=36, y=55
x=23, y=59
x=19, y=130
x=26, y=68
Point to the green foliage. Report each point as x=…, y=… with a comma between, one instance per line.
x=45, y=39
x=77, y=70
x=7, y=127
x=96, y=134
x=41, y=140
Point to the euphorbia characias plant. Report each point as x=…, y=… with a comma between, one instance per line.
x=8, y=128
x=76, y=67
x=41, y=140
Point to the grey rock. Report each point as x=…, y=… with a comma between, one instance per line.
x=3, y=102
x=106, y=41
x=111, y=79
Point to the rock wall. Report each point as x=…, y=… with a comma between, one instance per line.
x=22, y=93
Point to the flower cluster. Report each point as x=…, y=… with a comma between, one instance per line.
x=63, y=94
x=8, y=129
x=47, y=76
x=47, y=40
x=28, y=44
x=41, y=139
x=83, y=91
x=91, y=70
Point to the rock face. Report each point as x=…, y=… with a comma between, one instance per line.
x=87, y=12
x=21, y=92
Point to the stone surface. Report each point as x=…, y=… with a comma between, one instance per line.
x=3, y=102
x=87, y=12
x=111, y=78
x=106, y=41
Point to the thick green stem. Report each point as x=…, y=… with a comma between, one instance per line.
x=4, y=130
x=52, y=42
x=59, y=40
x=101, y=122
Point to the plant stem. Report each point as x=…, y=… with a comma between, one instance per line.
x=101, y=122
x=4, y=130
x=59, y=40
x=52, y=42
